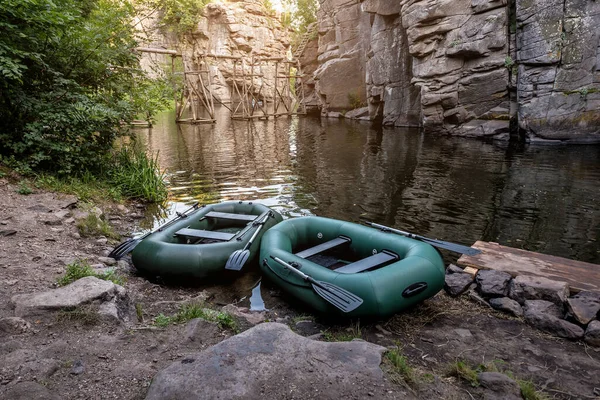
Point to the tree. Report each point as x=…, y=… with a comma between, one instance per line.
x=67, y=78
x=301, y=13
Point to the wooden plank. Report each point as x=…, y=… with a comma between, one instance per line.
x=157, y=50
x=579, y=275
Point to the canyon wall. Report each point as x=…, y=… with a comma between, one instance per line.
x=232, y=30
x=464, y=67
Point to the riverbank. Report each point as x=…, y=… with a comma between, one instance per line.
x=444, y=342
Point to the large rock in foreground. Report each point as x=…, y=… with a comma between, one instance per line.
x=269, y=361
x=111, y=299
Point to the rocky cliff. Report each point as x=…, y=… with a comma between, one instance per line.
x=233, y=31
x=239, y=29
x=465, y=67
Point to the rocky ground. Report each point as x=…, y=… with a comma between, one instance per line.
x=98, y=352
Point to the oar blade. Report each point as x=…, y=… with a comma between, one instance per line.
x=457, y=248
x=122, y=249
x=335, y=295
x=237, y=259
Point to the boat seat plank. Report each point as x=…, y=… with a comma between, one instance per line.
x=338, y=241
x=237, y=217
x=368, y=263
x=202, y=234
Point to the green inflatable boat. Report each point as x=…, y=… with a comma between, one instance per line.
x=350, y=269
x=201, y=242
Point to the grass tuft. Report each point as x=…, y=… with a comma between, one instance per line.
x=161, y=320
x=400, y=365
x=80, y=269
x=529, y=392
x=188, y=312
x=464, y=371
x=137, y=176
x=92, y=225
x=24, y=188
x=347, y=335
x=139, y=312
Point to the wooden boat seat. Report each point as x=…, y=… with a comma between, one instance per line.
x=368, y=263
x=338, y=241
x=202, y=234
x=237, y=217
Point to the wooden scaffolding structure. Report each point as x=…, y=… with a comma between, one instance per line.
x=249, y=93
x=250, y=97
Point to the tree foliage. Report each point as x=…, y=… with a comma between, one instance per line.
x=178, y=16
x=300, y=14
x=68, y=82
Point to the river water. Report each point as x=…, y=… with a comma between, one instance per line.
x=539, y=198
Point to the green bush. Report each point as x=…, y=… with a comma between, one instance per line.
x=68, y=83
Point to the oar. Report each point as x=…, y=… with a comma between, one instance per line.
x=128, y=245
x=457, y=248
x=341, y=298
x=238, y=258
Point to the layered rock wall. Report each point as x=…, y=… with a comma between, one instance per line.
x=558, y=54
x=230, y=30
x=239, y=29
x=465, y=67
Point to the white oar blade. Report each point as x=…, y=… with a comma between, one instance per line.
x=237, y=259
x=340, y=298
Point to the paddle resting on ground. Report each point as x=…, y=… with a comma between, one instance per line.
x=127, y=246
x=340, y=298
x=457, y=248
x=238, y=258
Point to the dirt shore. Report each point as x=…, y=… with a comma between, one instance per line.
x=79, y=358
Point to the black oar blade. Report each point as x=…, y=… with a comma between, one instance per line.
x=237, y=259
x=458, y=248
x=121, y=250
x=340, y=298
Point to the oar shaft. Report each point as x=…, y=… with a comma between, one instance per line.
x=260, y=224
x=459, y=248
x=178, y=216
x=398, y=231
x=291, y=268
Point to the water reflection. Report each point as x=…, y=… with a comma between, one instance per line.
x=544, y=199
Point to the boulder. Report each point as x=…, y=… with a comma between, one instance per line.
x=269, y=361
x=592, y=334
x=457, y=283
x=525, y=287
x=500, y=386
x=81, y=292
x=584, y=306
x=199, y=330
x=493, y=283
x=507, y=305
x=545, y=315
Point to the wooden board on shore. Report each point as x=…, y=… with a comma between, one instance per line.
x=579, y=275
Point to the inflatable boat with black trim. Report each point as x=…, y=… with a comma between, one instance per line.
x=350, y=269
x=201, y=242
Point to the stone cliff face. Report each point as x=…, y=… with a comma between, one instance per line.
x=465, y=67
x=558, y=55
x=230, y=30
x=238, y=29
